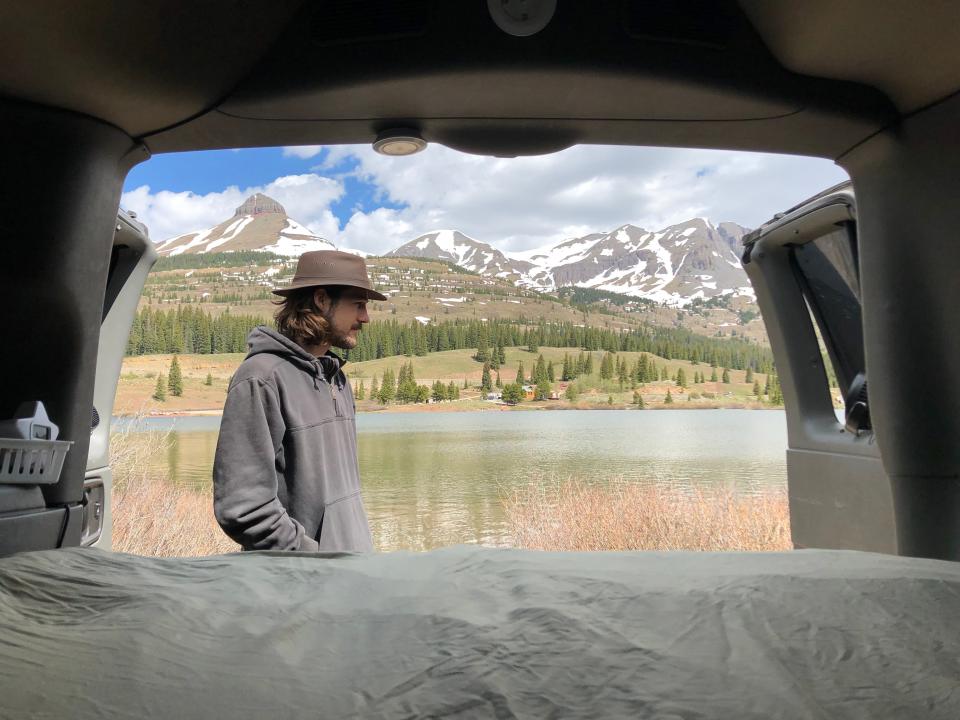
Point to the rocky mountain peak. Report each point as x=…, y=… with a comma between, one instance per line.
x=259, y=204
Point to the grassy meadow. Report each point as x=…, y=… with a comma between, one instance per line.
x=139, y=377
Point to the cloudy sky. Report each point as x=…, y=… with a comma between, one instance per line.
x=358, y=199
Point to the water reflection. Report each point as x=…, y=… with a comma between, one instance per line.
x=437, y=479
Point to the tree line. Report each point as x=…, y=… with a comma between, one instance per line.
x=187, y=329
x=387, y=338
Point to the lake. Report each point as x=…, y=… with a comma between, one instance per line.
x=432, y=479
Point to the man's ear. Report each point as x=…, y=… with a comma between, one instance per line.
x=321, y=300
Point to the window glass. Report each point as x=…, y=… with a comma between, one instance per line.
x=829, y=276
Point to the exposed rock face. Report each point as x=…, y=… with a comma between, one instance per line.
x=453, y=246
x=694, y=259
x=258, y=204
x=260, y=223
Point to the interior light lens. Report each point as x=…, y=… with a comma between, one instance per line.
x=402, y=141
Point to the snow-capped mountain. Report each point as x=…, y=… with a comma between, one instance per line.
x=694, y=259
x=453, y=246
x=260, y=223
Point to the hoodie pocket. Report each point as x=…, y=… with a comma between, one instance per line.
x=345, y=526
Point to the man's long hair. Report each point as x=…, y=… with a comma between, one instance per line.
x=299, y=318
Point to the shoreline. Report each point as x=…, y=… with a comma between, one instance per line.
x=452, y=408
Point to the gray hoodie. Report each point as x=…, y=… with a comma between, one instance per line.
x=285, y=475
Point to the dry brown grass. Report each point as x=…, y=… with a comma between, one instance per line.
x=151, y=515
x=577, y=515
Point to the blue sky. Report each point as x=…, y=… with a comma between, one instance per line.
x=358, y=199
x=211, y=171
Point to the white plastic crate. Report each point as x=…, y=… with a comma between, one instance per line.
x=31, y=462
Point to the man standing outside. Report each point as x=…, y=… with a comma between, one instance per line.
x=286, y=476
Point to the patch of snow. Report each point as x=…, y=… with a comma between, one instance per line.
x=422, y=320
x=233, y=229
x=199, y=239
x=294, y=247
x=452, y=300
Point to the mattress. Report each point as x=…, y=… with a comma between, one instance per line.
x=470, y=632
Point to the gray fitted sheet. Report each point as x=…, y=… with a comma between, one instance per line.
x=472, y=632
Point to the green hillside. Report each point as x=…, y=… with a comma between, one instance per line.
x=434, y=291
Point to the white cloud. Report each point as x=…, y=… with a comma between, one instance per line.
x=521, y=203
x=302, y=151
x=514, y=204
x=167, y=214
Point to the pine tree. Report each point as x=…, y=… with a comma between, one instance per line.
x=453, y=392
x=160, y=392
x=388, y=388
x=175, y=379
x=374, y=390
x=588, y=364
x=681, y=378
x=361, y=392
x=485, y=385
x=520, y=378
x=512, y=394
x=726, y=376
x=713, y=375
x=540, y=371
x=606, y=367
x=748, y=378
x=439, y=393
x=571, y=392
x=501, y=355
x=466, y=383
x=668, y=399
x=664, y=375
x=565, y=373
x=756, y=389
x=498, y=383
x=407, y=391
x=209, y=380
x=550, y=373
x=609, y=399
x=483, y=345
x=542, y=391
x=776, y=392
x=766, y=387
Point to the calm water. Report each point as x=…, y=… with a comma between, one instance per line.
x=437, y=478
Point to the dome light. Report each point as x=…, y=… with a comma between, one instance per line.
x=399, y=141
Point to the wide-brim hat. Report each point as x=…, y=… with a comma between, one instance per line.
x=330, y=267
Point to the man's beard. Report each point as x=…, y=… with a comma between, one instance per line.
x=338, y=339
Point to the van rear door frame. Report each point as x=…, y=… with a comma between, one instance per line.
x=840, y=495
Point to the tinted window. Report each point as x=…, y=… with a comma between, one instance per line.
x=830, y=279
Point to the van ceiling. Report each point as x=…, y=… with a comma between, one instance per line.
x=812, y=78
